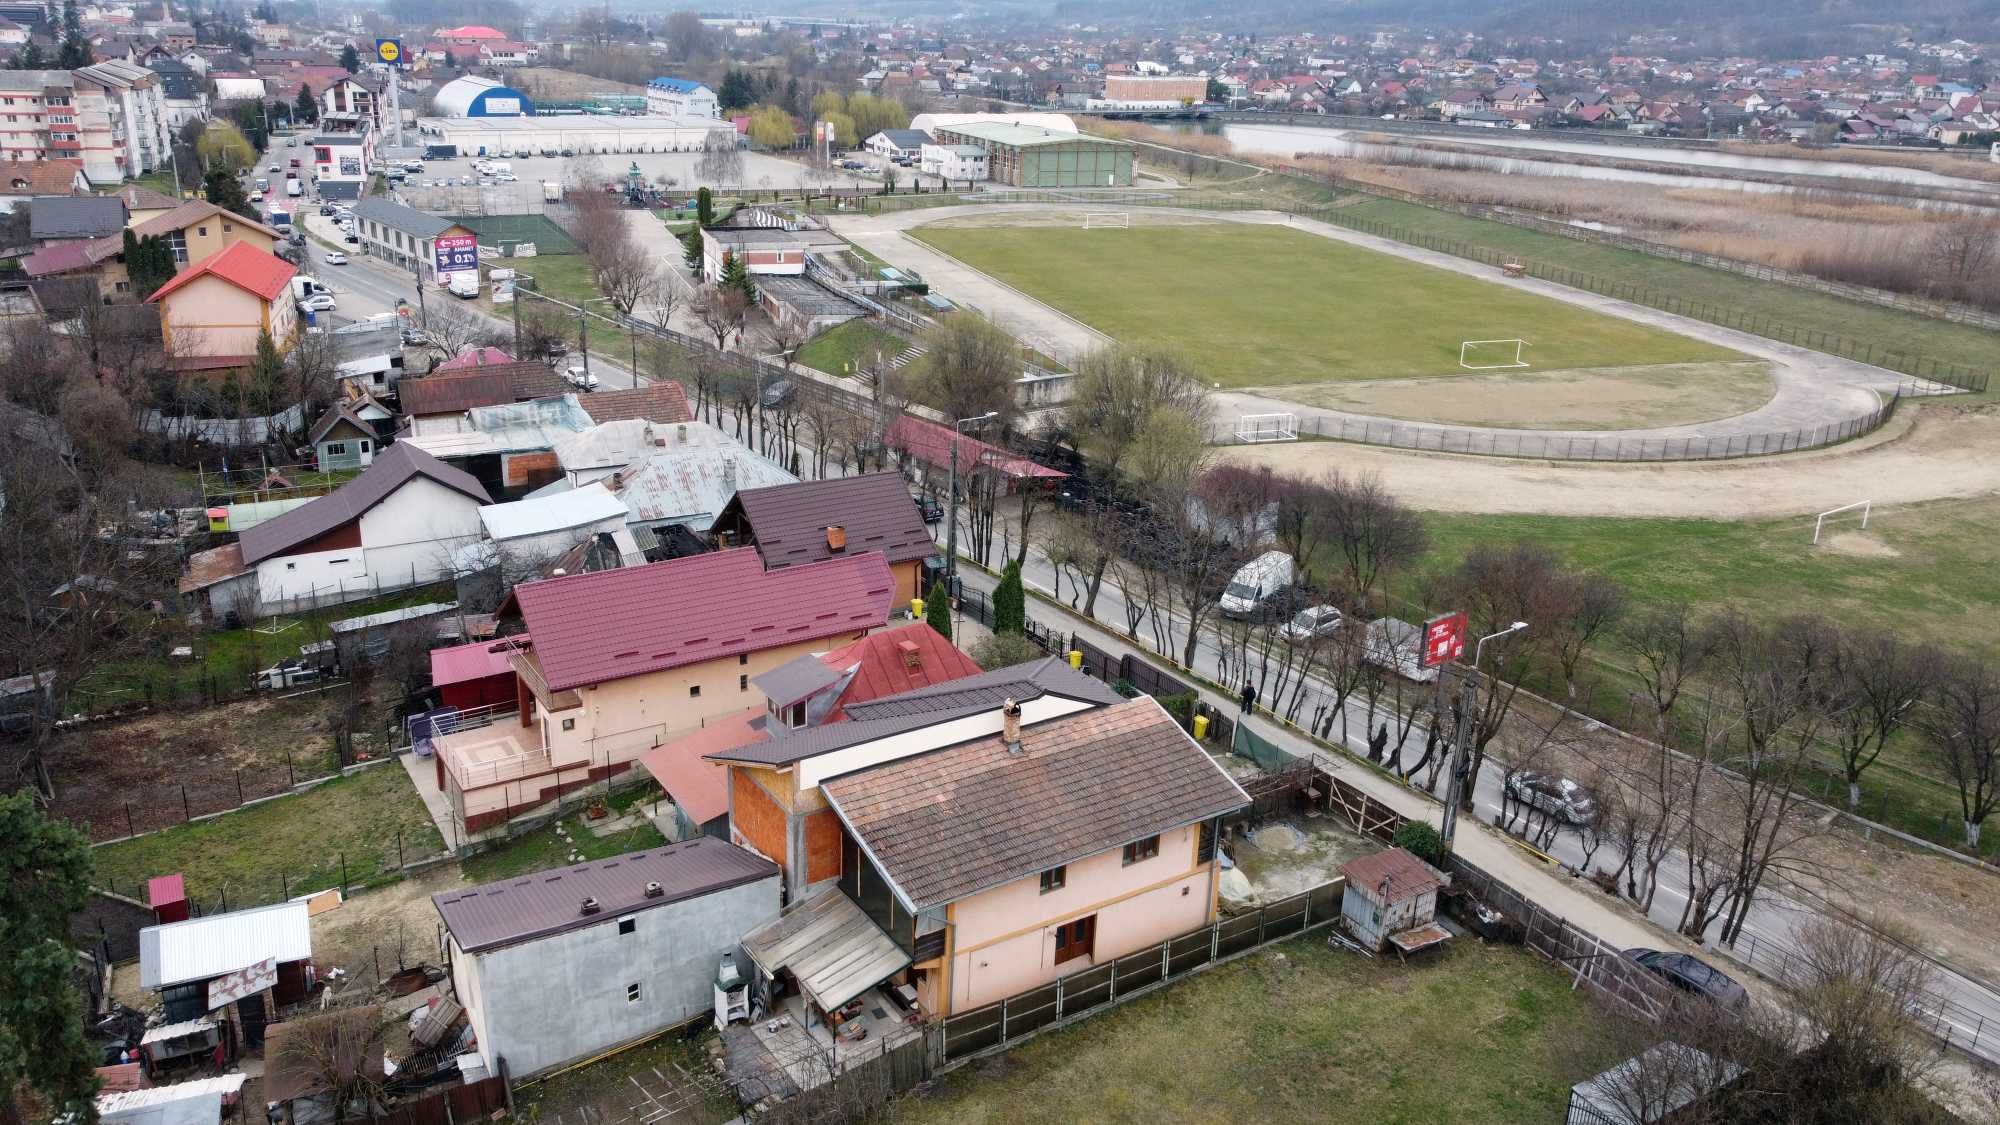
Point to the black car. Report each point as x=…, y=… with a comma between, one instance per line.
x=1692, y=975
x=932, y=510
x=326, y=208
x=569, y=152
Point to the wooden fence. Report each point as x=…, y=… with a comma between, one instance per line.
x=1101, y=987
x=458, y=1105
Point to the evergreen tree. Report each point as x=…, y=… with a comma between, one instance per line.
x=738, y=90
x=350, y=59
x=44, y=879
x=736, y=275
x=306, y=107
x=31, y=57
x=75, y=49
x=267, y=374
x=1010, y=602
x=691, y=248
x=225, y=191
x=937, y=610
x=704, y=207
x=149, y=262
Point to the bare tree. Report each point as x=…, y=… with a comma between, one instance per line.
x=627, y=274
x=1595, y=604
x=1372, y=534
x=1876, y=682
x=722, y=311
x=721, y=160
x=451, y=329
x=335, y=1055
x=969, y=367
x=1497, y=586
x=1962, y=726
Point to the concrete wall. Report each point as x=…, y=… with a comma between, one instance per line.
x=547, y=1002
x=1003, y=941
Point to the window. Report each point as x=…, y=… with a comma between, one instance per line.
x=743, y=683
x=364, y=445
x=226, y=228
x=628, y=926
x=202, y=231
x=1054, y=879
x=291, y=566
x=336, y=448
x=1142, y=849
x=1076, y=939
x=795, y=715
x=569, y=724
x=694, y=692
x=632, y=993
x=742, y=659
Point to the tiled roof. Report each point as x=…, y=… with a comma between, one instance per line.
x=138, y=197
x=192, y=212
x=593, y=628
x=474, y=357
x=469, y=388
x=217, y=564
x=931, y=443
x=391, y=469
x=476, y=661
x=789, y=522
x=549, y=902
x=44, y=177
x=74, y=216
x=883, y=666
x=240, y=264
x=954, y=822
x=664, y=401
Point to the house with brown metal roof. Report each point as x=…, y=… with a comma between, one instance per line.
x=436, y=404
x=621, y=661
x=812, y=520
x=997, y=831
x=396, y=525
x=560, y=965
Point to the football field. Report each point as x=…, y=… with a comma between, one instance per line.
x=1264, y=306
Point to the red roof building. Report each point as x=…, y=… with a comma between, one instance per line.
x=241, y=265
x=931, y=443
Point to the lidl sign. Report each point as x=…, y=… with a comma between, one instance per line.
x=389, y=51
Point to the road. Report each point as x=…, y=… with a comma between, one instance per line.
x=1972, y=1010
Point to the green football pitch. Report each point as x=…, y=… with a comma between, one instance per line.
x=1258, y=306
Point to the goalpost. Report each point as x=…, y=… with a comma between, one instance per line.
x=1491, y=354
x=1254, y=428
x=1094, y=220
x=1866, y=506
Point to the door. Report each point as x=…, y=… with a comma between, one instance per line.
x=1076, y=939
x=251, y=1010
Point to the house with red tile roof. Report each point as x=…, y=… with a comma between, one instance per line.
x=621, y=661
x=216, y=309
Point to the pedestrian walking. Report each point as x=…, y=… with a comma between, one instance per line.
x=1377, y=742
x=1249, y=697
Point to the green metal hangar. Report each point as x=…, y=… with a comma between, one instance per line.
x=1030, y=156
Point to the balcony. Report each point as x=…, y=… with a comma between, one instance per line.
x=487, y=746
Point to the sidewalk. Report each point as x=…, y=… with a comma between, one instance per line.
x=1499, y=856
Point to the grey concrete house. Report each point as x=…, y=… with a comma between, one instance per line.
x=559, y=965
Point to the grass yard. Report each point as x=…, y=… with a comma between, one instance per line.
x=1886, y=328
x=1303, y=1033
x=288, y=845
x=1257, y=306
x=545, y=848
x=842, y=349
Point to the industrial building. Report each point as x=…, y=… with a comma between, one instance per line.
x=472, y=96
x=1155, y=91
x=492, y=136
x=680, y=97
x=1027, y=156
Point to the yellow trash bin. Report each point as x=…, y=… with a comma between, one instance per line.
x=1201, y=728
x=917, y=608
x=1076, y=659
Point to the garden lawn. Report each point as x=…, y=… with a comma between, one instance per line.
x=1886, y=328
x=1259, y=306
x=1300, y=1032
x=842, y=349
x=261, y=853
x=545, y=848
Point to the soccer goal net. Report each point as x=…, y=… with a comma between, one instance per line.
x=1489, y=355
x=1253, y=428
x=1093, y=220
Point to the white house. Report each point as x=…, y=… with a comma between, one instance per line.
x=528, y=534
x=954, y=162
x=679, y=97
x=396, y=525
x=893, y=143
x=562, y=964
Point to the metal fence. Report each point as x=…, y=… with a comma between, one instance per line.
x=1096, y=989
x=1568, y=447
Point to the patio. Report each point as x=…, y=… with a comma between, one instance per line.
x=811, y=1053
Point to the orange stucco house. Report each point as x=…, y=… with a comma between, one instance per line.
x=212, y=312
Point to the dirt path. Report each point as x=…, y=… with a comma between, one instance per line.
x=1923, y=454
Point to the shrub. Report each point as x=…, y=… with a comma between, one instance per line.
x=1420, y=840
x=937, y=612
x=1010, y=602
x=1179, y=706
x=1003, y=650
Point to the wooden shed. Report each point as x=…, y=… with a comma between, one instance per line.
x=1388, y=893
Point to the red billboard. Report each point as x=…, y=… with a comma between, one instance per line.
x=456, y=253
x=1444, y=640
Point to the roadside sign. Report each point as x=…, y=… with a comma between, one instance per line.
x=389, y=51
x=455, y=253
x=1444, y=640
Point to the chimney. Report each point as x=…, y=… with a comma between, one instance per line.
x=1010, y=725
x=654, y=890
x=729, y=475
x=590, y=906
x=680, y=433
x=913, y=657
x=836, y=538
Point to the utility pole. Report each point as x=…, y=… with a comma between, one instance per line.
x=951, y=527
x=1462, y=735
x=583, y=341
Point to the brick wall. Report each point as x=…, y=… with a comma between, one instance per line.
x=822, y=845
x=756, y=818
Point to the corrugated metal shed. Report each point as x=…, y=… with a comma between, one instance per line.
x=576, y=508
x=550, y=902
x=690, y=487
x=201, y=1109
x=201, y=948
x=615, y=444
x=220, y=1084
x=829, y=945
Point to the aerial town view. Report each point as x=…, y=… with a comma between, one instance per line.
x=917, y=562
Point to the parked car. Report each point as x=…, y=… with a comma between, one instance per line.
x=334, y=258
x=1691, y=974
x=351, y=238
x=319, y=302
x=932, y=510
x=276, y=167
x=569, y=152
x=1311, y=623
x=776, y=394
x=1257, y=585
x=580, y=379
x=1557, y=796
x=292, y=142
x=326, y=208
x=257, y=197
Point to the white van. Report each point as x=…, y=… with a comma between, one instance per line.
x=464, y=283
x=1257, y=582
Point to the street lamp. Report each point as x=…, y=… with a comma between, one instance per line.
x=951, y=527
x=1461, y=741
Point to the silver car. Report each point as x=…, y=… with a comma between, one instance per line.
x=1557, y=796
x=1311, y=623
